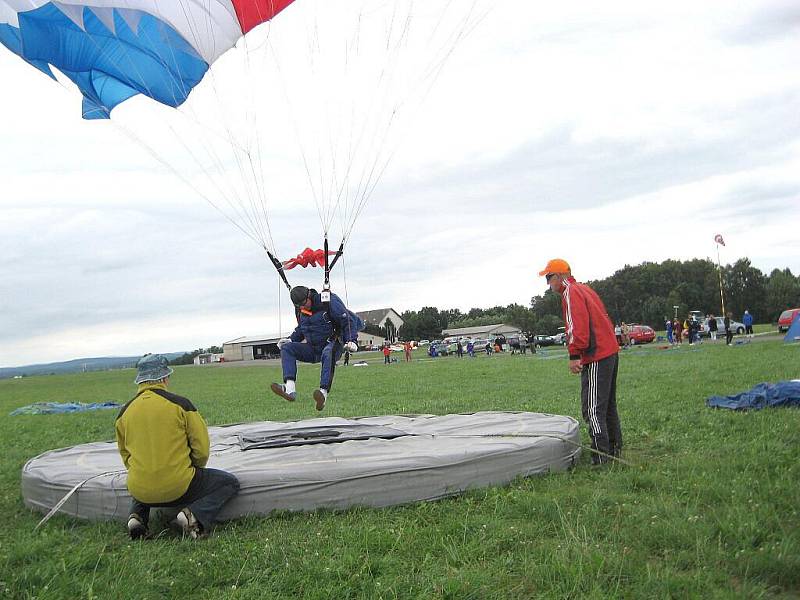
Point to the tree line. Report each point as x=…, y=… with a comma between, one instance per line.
x=645, y=293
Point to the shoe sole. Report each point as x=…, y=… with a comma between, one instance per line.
x=319, y=399
x=277, y=389
x=138, y=533
x=188, y=530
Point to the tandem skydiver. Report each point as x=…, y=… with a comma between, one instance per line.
x=323, y=332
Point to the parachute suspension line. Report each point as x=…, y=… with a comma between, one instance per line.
x=185, y=180
x=376, y=145
x=468, y=24
x=296, y=129
x=256, y=216
x=254, y=115
x=153, y=152
x=256, y=233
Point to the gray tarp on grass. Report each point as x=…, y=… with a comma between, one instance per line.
x=434, y=457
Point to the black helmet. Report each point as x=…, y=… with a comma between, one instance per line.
x=299, y=294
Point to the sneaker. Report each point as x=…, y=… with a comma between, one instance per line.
x=136, y=527
x=280, y=389
x=190, y=525
x=319, y=399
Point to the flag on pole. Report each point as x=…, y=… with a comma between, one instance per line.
x=719, y=240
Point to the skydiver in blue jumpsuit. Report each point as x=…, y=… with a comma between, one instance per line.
x=320, y=336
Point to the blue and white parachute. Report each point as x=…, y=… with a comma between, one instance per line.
x=115, y=49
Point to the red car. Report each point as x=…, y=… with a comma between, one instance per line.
x=786, y=318
x=641, y=334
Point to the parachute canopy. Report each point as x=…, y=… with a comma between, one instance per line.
x=115, y=49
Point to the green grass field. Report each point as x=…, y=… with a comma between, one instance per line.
x=709, y=509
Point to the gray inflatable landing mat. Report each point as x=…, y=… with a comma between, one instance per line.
x=328, y=462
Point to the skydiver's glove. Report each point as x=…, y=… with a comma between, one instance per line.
x=351, y=347
x=283, y=342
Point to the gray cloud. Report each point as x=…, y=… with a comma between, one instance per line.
x=772, y=21
x=554, y=172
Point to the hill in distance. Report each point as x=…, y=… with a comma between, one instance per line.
x=78, y=365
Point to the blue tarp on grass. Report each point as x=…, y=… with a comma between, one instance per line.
x=762, y=395
x=52, y=408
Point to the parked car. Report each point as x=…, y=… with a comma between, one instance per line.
x=541, y=341
x=787, y=318
x=641, y=334
x=480, y=345
x=736, y=327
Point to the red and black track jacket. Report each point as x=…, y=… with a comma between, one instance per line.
x=590, y=333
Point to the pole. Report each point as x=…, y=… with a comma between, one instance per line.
x=719, y=271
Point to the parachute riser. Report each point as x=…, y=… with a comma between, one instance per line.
x=279, y=267
x=325, y=296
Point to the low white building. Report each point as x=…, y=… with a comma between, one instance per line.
x=258, y=347
x=251, y=348
x=482, y=331
x=207, y=358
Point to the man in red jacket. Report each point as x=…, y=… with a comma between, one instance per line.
x=593, y=350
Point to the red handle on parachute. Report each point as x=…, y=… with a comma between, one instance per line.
x=308, y=257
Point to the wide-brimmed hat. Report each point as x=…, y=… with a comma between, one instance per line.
x=555, y=265
x=152, y=367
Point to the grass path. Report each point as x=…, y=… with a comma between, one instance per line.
x=710, y=510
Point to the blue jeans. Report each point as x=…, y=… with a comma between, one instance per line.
x=328, y=355
x=208, y=492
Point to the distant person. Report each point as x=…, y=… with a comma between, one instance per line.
x=677, y=330
x=625, y=331
x=712, y=327
x=523, y=343
x=387, y=351
x=668, y=326
x=688, y=329
x=164, y=445
x=460, y=349
x=728, y=330
x=346, y=360
x=407, y=351
x=471, y=348
x=322, y=334
x=747, y=319
x=488, y=348
x=593, y=353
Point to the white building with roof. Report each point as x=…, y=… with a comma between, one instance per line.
x=482, y=331
x=251, y=348
x=387, y=318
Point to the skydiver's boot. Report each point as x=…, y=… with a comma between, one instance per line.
x=137, y=528
x=285, y=391
x=320, y=396
x=189, y=524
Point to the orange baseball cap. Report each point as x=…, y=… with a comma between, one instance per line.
x=556, y=265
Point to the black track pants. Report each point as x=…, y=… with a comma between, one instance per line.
x=599, y=406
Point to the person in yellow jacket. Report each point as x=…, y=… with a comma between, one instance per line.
x=164, y=445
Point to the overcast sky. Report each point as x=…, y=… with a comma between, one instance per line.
x=628, y=132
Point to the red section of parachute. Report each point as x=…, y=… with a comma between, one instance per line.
x=308, y=257
x=255, y=12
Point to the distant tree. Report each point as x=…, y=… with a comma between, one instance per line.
x=783, y=291
x=746, y=288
